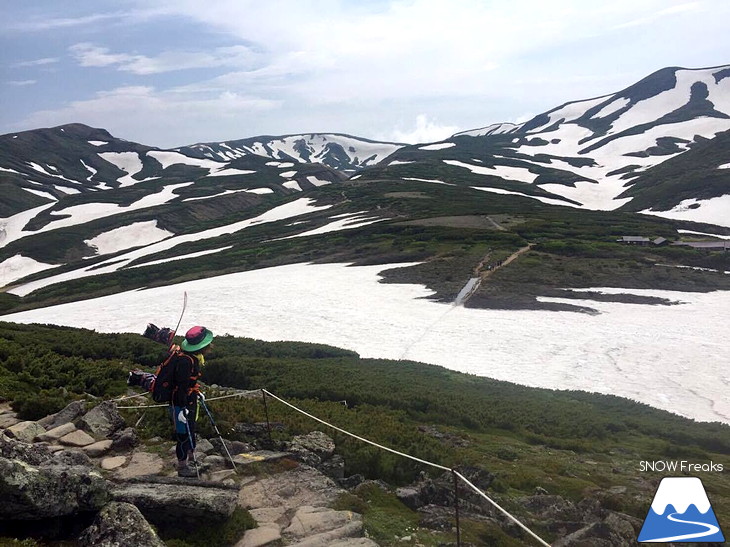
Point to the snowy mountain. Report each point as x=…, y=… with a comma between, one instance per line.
x=601, y=153
x=341, y=152
x=526, y=217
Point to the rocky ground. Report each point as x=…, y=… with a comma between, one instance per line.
x=86, y=477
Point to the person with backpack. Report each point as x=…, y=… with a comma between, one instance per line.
x=187, y=365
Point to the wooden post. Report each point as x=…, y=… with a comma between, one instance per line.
x=266, y=409
x=456, y=504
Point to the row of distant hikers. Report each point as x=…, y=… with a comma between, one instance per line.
x=176, y=383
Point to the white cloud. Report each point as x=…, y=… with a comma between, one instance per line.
x=37, y=62
x=90, y=55
x=162, y=116
x=425, y=130
x=22, y=82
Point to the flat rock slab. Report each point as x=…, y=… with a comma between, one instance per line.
x=77, y=438
x=267, y=515
x=179, y=505
x=57, y=432
x=309, y=521
x=263, y=535
x=291, y=490
x=115, y=462
x=98, y=448
x=25, y=431
x=258, y=456
x=8, y=419
x=354, y=542
x=141, y=463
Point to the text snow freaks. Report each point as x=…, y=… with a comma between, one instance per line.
x=681, y=466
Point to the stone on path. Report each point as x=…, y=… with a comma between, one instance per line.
x=98, y=448
x=57, y=432
x=25, y=431
x=113, y=463
x=77, y=438
x=290, y=489
x=311, y=521
x=258, y=456
x=102, y=420
x=141, y=464
x=263, y=535
x=8, y=419
x=69, y=414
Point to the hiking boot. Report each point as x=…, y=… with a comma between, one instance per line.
x=186, y=471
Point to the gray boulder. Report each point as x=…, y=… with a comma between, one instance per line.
x=25, y=431
x=174, y=502
x=124, y=440
x=65, y=416
x=102, y=420
x=32, y=454
x=313, y=448
x=120, y=525
x=70, y=457
x=33, y=493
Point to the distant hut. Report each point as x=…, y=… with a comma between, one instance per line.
x=660, y=241
x=634, y=240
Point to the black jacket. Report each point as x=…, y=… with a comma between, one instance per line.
x=185, y=379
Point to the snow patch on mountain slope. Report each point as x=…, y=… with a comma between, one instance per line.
x=318, y=182
x=292, y=185
x=569, y=112
x=97, y=143
x=41, y=193
x=183, y=257
x=506, y=172
x=129, y=162
x=167, y=159
x=228, y=171
x=11, y=228
x=137, y=234
x=494, y=129
x=292, y=209
x=691, y=232
x=610, y=108
x=18, y=266
x=551, y=201
x=351, y=221
x=438, y=146
x=398, y=321
x=712, y=211
x=66, y=189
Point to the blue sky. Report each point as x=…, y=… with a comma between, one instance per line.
x=175, y=72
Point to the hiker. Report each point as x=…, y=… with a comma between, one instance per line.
x=184, y=406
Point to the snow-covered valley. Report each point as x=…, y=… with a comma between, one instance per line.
x=669, y=357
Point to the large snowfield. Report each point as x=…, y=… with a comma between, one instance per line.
x=670, y=357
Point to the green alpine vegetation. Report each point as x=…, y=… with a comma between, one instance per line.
x=573, y=444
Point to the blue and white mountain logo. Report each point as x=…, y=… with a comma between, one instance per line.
x=681, y=512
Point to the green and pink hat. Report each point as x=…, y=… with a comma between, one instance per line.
x=196, y=338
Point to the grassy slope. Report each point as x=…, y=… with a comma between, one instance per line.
x=571, y=443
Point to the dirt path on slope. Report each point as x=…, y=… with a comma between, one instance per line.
x=483, y=270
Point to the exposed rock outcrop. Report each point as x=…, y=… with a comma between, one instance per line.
x=102, y=420
x=175, y=502
x=120, y=524
x=32, y=493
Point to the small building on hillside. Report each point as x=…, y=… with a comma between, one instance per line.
x=660, y=241
x=706, y=245
x=634, y=240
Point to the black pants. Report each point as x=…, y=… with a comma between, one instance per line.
x=185, y=432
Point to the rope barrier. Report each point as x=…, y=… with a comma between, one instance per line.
x=372, y=443
x=456, y=473
x=240, y=394
x=504, y=511
x=355, y=436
